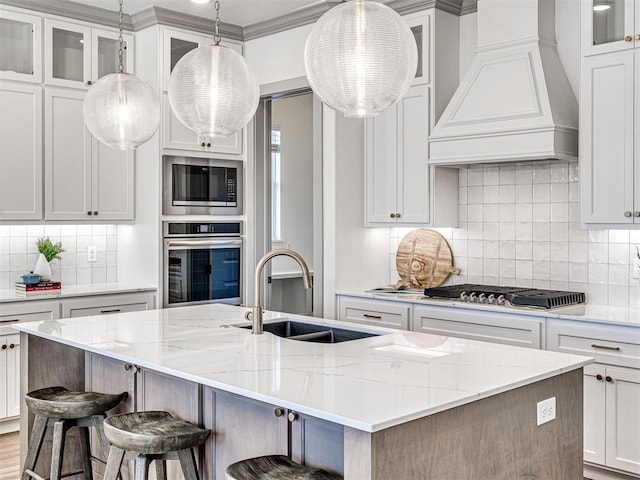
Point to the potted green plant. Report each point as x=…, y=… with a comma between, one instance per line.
x=48, y=251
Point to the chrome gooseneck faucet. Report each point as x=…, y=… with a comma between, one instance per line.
x=255, y=315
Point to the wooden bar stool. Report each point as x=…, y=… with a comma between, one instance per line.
x=61, y=409
x=275, y=467
x=149, y=436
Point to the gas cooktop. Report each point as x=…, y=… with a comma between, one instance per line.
x=516, y=296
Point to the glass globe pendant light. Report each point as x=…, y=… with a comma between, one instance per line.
x=121, y=110
x=212, y=90
x=360, y=58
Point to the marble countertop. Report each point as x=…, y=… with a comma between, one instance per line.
x=9, y=295
x=626, y=316
x=368, y=384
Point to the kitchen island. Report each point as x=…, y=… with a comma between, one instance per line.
x=401, y=405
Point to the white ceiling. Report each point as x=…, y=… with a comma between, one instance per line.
x=237, y=12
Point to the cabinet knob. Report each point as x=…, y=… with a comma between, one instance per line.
x=136, y=369
x=4, y=347
x=89, y=213
x=628, y=38
x=627, y=213
x=393, y=215
x=12, y=345
x=637, y=37
x=608, y=379
x=128, y=366
x=293, y=416
x=636, y=214
x=203, y=144
x=398, y=215
x=599, y=377
x=95, y=212
x=278, y=412
x=89, y=82
x=208, y=144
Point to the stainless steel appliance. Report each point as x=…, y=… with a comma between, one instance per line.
x=201, y=186
x=202, y=263
x=509, y=296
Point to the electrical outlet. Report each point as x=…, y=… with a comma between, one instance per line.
x=546, y=410
x=92, y=253
x=635, y=268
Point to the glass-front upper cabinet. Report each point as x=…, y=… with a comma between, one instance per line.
x=176, y=45
x=21, y=51
x=419, y=24
x=610, y=25
x=77, y=56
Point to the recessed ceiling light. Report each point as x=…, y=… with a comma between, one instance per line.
x=200, y=1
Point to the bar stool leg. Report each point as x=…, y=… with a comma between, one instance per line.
x=161, y=469
x=114, y=462
x=35, y=444
x=85, y=452
x=57, y=451
x=188, y=463
x=142, y=467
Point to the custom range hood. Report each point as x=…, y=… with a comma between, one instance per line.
x=515, y=102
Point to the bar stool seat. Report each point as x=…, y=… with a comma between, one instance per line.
x=149, y=436
x=275, y=467
x=62, y=409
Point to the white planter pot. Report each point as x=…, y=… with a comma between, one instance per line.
x=43, y=268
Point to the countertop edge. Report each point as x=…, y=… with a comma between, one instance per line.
x=8, y=295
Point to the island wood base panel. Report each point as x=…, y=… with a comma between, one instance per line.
x=494, y=438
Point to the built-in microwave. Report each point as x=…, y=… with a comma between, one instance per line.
x=201, y=186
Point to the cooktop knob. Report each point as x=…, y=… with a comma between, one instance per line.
x=491, y=299
x=473, y=297
x=464, y=297
x=501, y=300
x=482, y=298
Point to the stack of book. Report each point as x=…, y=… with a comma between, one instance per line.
x=42, y=288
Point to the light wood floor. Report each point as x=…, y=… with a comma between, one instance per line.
x=9, y=456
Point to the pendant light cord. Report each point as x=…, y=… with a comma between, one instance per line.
x=120, y=38
x=216, y=36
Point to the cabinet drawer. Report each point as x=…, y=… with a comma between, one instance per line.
x=609, y=344
x=26, y=312
x=507, y=329
x=374, y=312
x=106, y=305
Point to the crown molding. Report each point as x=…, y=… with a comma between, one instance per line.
x=162, y=16
x=73, y=10
x=469, y=6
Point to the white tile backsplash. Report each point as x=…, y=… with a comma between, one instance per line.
x=18, y=252
x=519, y=225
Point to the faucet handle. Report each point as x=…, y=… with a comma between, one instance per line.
x=249, y=315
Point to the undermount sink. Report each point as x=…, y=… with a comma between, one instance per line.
x=309, y=332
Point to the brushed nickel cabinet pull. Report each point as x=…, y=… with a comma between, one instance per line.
x=128, y=366
x=293, y=416
x=599, y=377
x=636, y=214
x=278, y=412
x=628, y=38
x=136, y=369
x=627, y=213
x=605, y=347
x=110, y=311
x=637, y=37
x=13, y=320
x=368, y=315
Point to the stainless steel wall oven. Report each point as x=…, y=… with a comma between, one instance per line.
x=202, y=263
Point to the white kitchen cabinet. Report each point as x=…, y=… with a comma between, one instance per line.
x=506, y=328
x=400, y=186
x=420, y=25
x=107, y=304
x=379, y=313
x=176, y=135
x=21, y=57
x=77, y=56
x=612, y=389
x=84, y=179
x=10, y=350
x=21, y=159
x=610, y=25
x=610, y=141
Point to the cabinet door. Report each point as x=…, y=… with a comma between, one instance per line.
x=623, y=419
x=112, y=183
x=246, y=428
x=105, y=53
x=67, y=54
x=317, y=443
x=31, y=311
x=594, y=418
x=606, y=24
x=607, y=132
x=4, y=355
x=420, y=25
x=21, y=159
x=67, y=156
x=175, y=134
x=381, y=147
x=107, y=304
x=413, y=171
x=176, y=45
x=13, y=375
x=374, y=312
x=21, y=57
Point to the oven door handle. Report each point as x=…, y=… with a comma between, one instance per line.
x=202, y=243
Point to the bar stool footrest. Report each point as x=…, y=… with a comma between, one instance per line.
x=33, y=474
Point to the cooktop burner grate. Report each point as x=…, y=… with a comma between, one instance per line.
x=521, y=296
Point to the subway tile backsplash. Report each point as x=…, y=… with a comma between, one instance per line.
x=18, y=252
x=519, y=225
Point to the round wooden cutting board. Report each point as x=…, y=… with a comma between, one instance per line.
x=424, y=259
